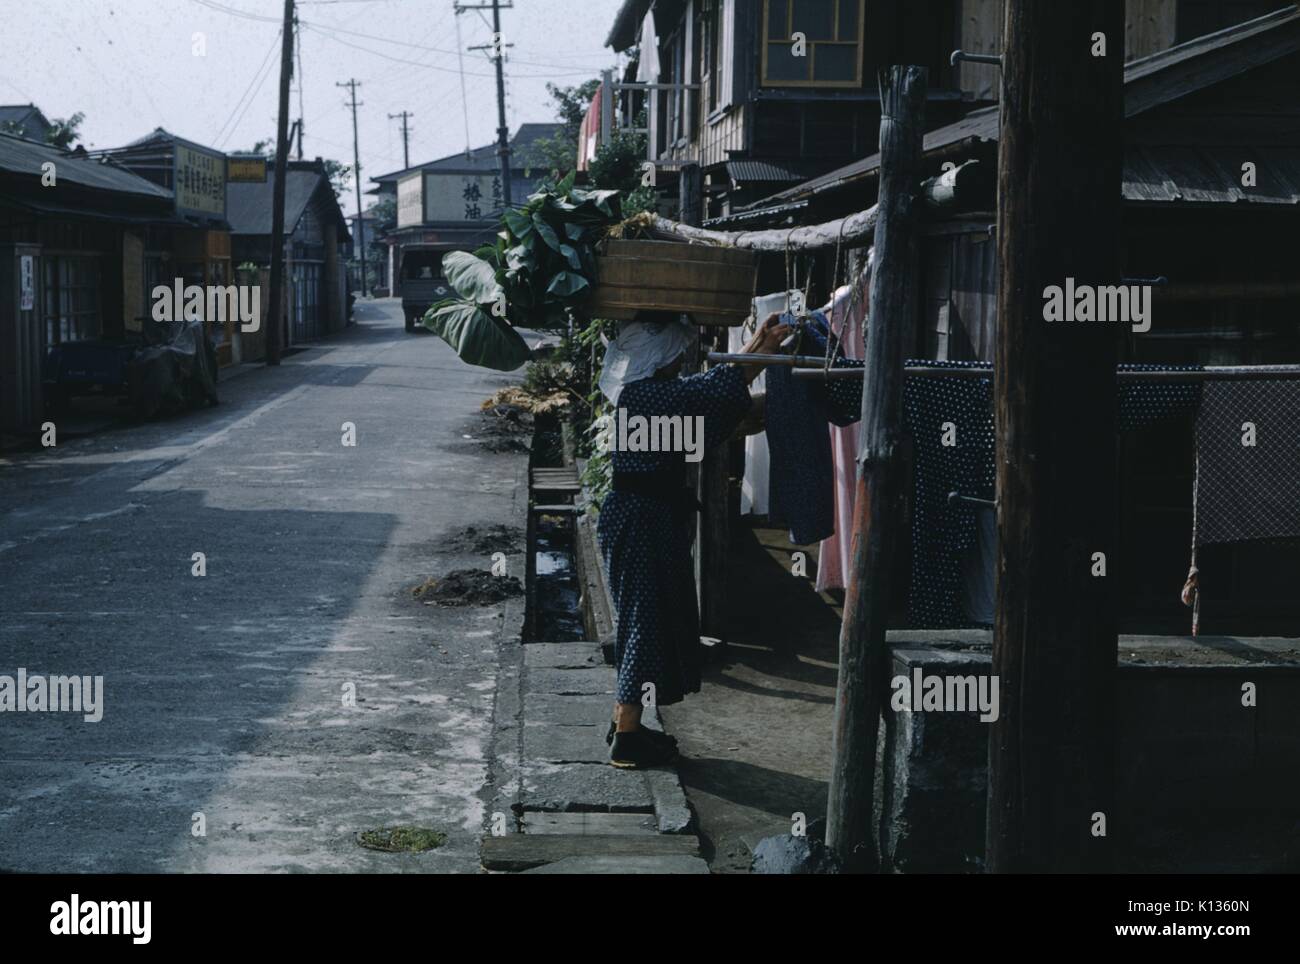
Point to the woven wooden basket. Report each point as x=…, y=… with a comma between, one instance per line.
x=713, y=285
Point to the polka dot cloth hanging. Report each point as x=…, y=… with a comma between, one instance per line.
x=941, y=532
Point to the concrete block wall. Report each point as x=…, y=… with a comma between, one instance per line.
x=1203, y=783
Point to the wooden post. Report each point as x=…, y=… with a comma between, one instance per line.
x=273, y=330
x=1054, y=643
x=878, y=511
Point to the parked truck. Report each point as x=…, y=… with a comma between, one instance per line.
x=422, y=282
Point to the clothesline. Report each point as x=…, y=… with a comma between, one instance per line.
x=810, y=366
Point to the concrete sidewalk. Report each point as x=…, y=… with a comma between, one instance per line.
x=565, y=809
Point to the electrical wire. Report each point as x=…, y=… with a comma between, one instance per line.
x=250, y=94
x=464, y=99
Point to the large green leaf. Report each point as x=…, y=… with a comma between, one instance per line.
x=520, y=225
x=476, y=336
x=571, y=255
x=547, y=232
x=566, y=283
x=473, y=278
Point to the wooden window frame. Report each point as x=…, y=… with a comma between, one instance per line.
x=763, y=80
x=60, y=297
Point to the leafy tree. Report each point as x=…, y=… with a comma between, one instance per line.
x=618, y=166
x=339, y=175
x=559, y=153
x=63, y=131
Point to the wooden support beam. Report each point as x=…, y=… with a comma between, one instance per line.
x=1051, y=749
x=864, y=657
x=944, y=195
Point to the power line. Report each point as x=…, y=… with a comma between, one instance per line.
x=329, y=30
x=249, y=95
x=464, y=99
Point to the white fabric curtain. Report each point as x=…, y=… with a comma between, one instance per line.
x=647, y=72
x=726, y=52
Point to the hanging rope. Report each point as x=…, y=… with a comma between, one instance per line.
x=833, y=340
x=1191, y=594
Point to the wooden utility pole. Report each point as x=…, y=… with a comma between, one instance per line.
x=498, y=48
x=878, y=511
x=1051, y=750
x=352, y=86
x=406, y=136
x=277, y=192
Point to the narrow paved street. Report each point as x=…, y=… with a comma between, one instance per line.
x=225, y=695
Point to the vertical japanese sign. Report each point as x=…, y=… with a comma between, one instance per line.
x=200, y=181
x=27, y=283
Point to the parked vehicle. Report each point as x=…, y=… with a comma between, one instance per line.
x=422, y=282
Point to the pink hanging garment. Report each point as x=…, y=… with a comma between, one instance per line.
x=834, y=553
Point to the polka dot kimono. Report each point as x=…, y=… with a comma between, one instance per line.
x=646, y=541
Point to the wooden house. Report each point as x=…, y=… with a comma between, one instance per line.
x=1211, y=204
x=764, y=94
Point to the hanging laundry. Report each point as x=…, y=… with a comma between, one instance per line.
x=1248, y=461
x=847, y=314
x=942, y=532
x=754, y=485
x=944, y=536
x=800, y=446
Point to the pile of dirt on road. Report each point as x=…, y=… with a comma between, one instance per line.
x=502, y=428
x=467, y=587
x=485, y=539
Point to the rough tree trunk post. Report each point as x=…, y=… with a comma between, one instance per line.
x=878, y=510
x=1054, y=639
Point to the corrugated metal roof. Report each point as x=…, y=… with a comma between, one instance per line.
x=1211, y=175
x=1148, y=82
x=19, y=156
x=249, y=207
x=747, y=170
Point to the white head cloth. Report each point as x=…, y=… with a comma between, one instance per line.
x=640, y=350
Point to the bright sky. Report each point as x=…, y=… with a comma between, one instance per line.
x=128, y=66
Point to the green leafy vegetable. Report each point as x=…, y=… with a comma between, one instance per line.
x=477, y=337
x=538, y=272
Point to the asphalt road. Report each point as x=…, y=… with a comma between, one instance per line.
x=224, y=695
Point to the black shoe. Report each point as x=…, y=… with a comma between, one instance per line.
x=635, y=750
x=653, y=734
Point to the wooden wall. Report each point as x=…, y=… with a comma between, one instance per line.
x=1149, y=27
x=959, y=292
